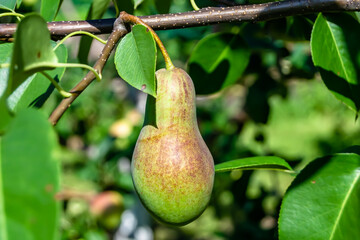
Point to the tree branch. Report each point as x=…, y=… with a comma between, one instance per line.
x=205, y=16
x=119, y=30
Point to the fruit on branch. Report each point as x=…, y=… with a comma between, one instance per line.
x=172, y=168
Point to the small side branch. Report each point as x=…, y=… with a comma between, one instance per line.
x=119, y=30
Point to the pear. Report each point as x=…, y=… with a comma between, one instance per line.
x=172, y=168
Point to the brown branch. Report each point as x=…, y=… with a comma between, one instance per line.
x=205, y=16
x=118, y=32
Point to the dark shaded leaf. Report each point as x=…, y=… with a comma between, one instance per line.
x=218, y=61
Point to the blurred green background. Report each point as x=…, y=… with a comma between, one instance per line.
x=278, y=107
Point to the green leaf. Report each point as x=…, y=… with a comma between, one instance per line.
x=135, y=59
x=36, y=89
x=5, y=55
x=263, y=162
x=323, y=202
x=32, y=50
x=335, y=49
x=8, y=4
x=49, y=9
x=29, y=174
x=218, y=61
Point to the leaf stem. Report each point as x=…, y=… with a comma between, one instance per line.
x=12, y=14
x=77, y=33
x=128, y=18
x=57, y=86
x=193, y=4
x=79, y=65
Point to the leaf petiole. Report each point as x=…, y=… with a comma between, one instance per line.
x=135, y=20
x=77, y=33
x=79, y=65
x=18, y=15
x=56, y=85
x=193, y=4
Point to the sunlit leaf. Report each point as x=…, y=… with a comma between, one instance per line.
x=5, y=56
x=8, y=4
x=323, y=202
x=49, y=9
x=32, y=50
x=335, y=49
x=36, y=89
x=262, y=162
x=135, y=59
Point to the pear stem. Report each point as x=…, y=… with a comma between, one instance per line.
x=128, y=18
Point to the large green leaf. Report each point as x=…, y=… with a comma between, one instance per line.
x=5, y=56
x=29, y=173
x=32, y=50
x=49, y=9
x=36, y=89
x=323, y=202
x=217, y=62
x=263, y=162
x=135, y=59
x=335, y=49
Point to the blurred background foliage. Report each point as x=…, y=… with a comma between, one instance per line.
x=279, y=106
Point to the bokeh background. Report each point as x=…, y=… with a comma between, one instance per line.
x=279, y=106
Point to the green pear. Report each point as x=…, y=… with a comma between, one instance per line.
x=172, y=168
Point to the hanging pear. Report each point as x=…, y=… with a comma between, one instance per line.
x=172, y=168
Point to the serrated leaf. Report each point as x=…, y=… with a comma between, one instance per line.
x=29, y=179
x=218, y=61
x=335, y=49
x=323, y=202
x=135, y=59
x=32, y=50
x=49, y=9
x=251, y=163
x=36, y=89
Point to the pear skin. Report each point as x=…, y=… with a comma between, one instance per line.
x=172, y=168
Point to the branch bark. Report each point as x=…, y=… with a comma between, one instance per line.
x=205, y=16
x=119, y=30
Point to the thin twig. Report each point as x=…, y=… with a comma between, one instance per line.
x=205, y=16
x=118, y=32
